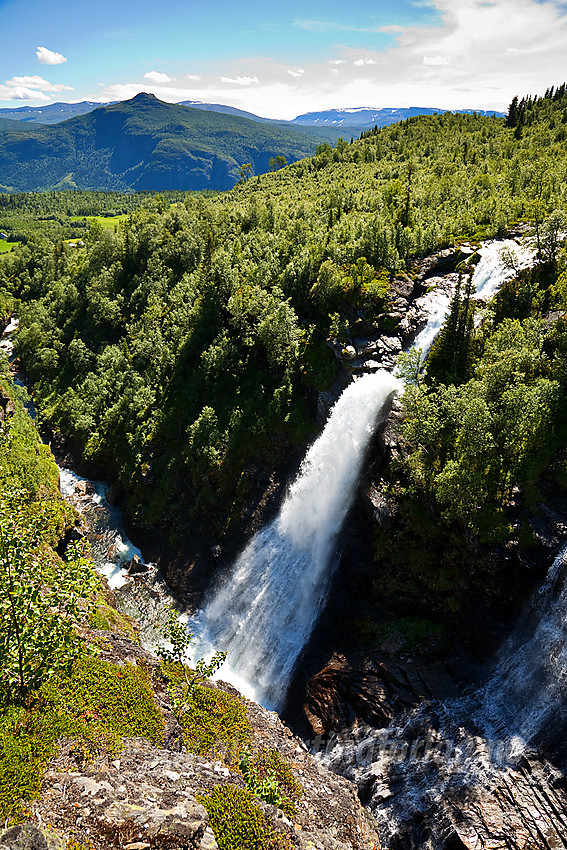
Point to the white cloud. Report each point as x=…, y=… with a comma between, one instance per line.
x=240, y=81
x=477, y=55
x=193, y=77
x=157, y=77
x=435, y=60
x=30, y=88
x=38, y=83
x=49, y=57
x=21, y=93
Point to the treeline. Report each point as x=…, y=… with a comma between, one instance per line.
x=183, y=350
x=64, y=215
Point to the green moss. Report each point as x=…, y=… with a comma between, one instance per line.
x=269, y=776
x=215, y=723
x=97, y=704
x=238, y=822
x=104, y=699
x=107, y=618
x=23, y=755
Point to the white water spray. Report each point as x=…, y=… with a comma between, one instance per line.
x=500, y=261
x=266, y=609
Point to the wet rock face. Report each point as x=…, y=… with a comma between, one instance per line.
x=433, y=783
x=365, y=690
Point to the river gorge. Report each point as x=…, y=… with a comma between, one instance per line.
x=454, y=762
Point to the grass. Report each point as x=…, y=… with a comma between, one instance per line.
x=6, y=247
x=104, y=220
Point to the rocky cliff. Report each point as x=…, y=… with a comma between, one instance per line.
x=146, y=795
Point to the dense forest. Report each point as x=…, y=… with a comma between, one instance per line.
x=182, y=349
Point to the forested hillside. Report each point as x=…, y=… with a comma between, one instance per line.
x=183, y=350
x=146, y=144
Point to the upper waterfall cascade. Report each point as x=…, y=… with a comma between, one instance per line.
x=499, y=261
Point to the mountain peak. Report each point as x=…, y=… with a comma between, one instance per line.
x=143, y=97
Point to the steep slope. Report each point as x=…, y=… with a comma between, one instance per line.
x=144, y=144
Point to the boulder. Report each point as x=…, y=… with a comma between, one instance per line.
x=135, y=566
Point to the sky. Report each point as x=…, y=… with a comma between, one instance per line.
x=279, y=60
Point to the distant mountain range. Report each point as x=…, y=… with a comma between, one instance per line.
x=355, y=119
x=366, y=117
x=146, y=144
x=53, y=113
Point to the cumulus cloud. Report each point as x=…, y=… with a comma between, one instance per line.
x=49, y=57
x=241, y=81
x=360, y=62
x=157, y=77
x=297, y=73
x=21, y=93
x=38, y=83
x=30, y=88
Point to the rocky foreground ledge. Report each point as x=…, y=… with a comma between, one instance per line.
x=145, y=795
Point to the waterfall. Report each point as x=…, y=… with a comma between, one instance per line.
x=499, y=261
x=429, y=761
x=264, y=612
x=526, y=694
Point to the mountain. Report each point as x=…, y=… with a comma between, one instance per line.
x=145, y=144
x=53, y=113
x=229, y=110
x=8, y=124
x=355, y=119
x=365, y=118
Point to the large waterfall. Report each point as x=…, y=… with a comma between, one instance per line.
x=263, y=614
x=265, y=611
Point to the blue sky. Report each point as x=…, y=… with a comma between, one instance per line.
x=279, y=60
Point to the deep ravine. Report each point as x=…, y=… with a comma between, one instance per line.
x=426, y=772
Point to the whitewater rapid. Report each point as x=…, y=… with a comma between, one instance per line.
x=499, y=262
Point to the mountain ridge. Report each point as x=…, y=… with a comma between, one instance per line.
x=145, y=144
x=55, y=113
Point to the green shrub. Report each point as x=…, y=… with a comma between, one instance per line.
x=269, y=777
x=97, y=704
x=238, y=822
x=215, y=723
